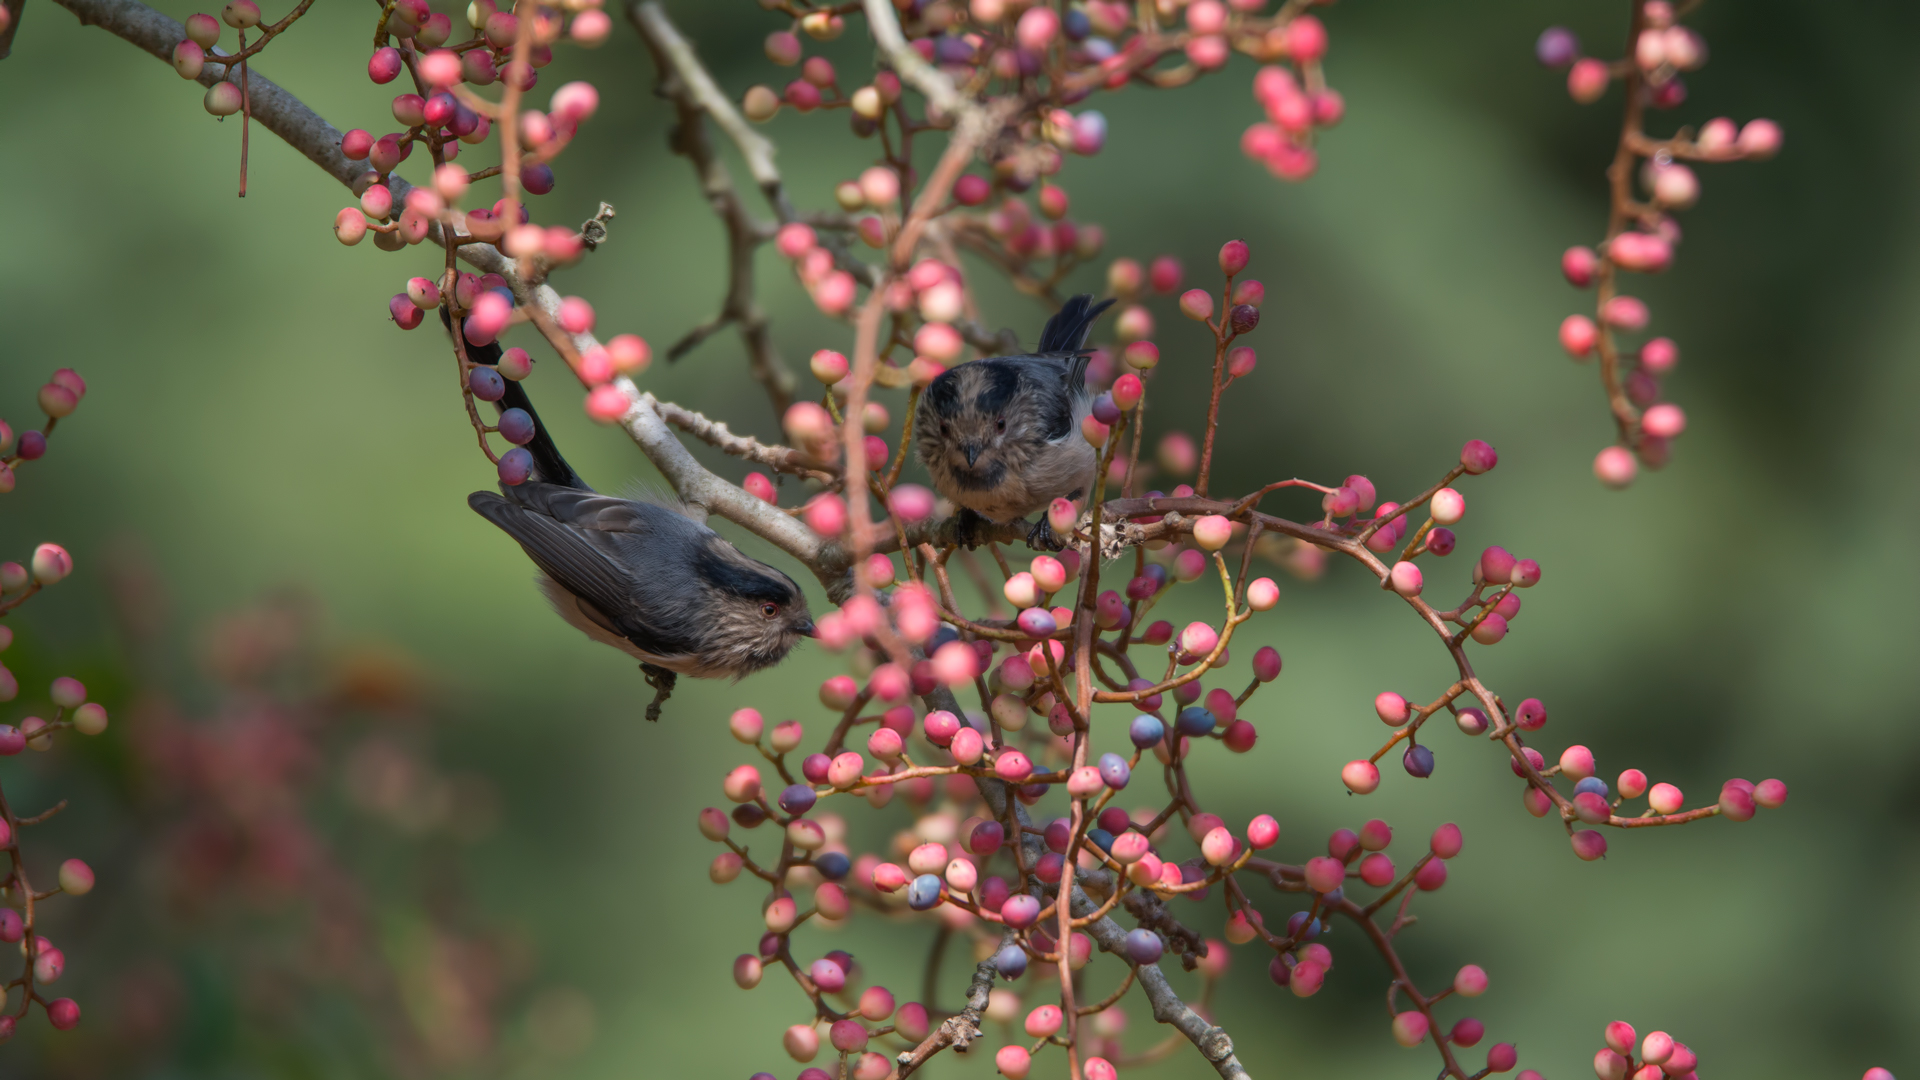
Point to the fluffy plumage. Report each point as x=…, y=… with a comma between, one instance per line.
x=1001, y=436
x=641, y=576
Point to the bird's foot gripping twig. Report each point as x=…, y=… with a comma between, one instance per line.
x=1042, y=537
x=967, y=527
x=662, y=682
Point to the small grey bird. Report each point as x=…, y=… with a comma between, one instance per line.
x=640, y=576
x=1001, y=435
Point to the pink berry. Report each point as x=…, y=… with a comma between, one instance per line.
x=1410, y=1028
x=1361, y=777
x=1579, y=264
x=1771, y=794
x=1490, y=630
x=63, y=1013
x=1578, y=335
x=1587, y=80
x=1589, y=844
x=1620, y=1037
x=1446, y=841
x=1760, y=139
x=1502, y=1057
x=1392, y=709
x=1615, y=466
x=1659, y=355
x=1196, y=304
x=1736, y=804
x=1625, y=312
x=1477, y=457
x=1306, y=39
x=1233, y=254
x=1406, y=579
x=1664, y=421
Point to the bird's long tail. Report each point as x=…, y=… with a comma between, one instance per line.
x=548, y=465
x=1067, y=331
x=1066, y=335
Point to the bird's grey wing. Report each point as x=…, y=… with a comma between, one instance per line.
x=1046, y=386
x=569, y=552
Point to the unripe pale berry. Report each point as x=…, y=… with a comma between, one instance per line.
x=1212, y=532
x=51, y=564
x=1196, y=304
x=1410, y=1028
x=1470, y=981
x=1262, y=595
x=76, y=878
x=223, y=99
x=801, y=1042
x=91, y=719
x=1406, y=579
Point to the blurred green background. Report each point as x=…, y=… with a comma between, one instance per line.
x=255, y=421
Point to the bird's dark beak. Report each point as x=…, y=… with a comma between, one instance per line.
x=806, y=628
x=973, y=453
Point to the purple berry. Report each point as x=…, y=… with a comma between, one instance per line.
x=33, y=445
x=1114, y=771
x=516, y=426
x=1245, y=317
x=814, y=767
x=537, y=178
x=1419, y=761
x=923, y=893
x=1105, y=411
x=1146, y=730
x=486, y=384
x=749, y=815
x=515, y=466
x=1144, y=946
x=1557, y=47
x=1441, y=541
x=832, y=865
x=1012, y=962
x=1194, y=719
x=797, y=799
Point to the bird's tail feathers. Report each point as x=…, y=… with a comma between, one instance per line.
x=548, y=465
x=1066, y=332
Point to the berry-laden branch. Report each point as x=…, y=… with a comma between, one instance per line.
x=20, y=900
x=1641, y=236
x=1080, y=667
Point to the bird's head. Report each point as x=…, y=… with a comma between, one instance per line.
x=972, y=419
x=756, y=614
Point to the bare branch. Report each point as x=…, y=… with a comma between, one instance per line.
x=688, y=85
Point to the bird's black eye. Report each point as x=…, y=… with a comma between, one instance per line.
x=1000, y=424
x=769, y=609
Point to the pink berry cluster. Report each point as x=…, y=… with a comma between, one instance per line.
x=1642, y=233
x=1660, y=1056
x=509, y=47
x=1013, y=803
x=19, y=899
x=1059, y=58
x=58, y=399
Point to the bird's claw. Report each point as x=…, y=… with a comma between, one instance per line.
x=662, y=682
x=1042, y=537
x=966, y=529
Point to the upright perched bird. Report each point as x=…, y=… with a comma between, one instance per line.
x=642, y=577
x=1001, y=435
